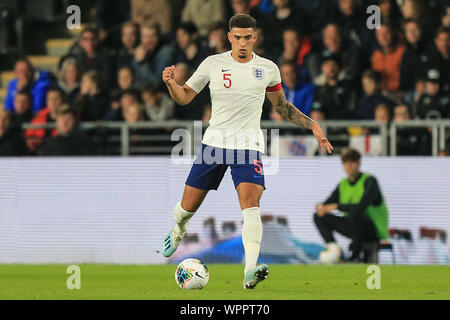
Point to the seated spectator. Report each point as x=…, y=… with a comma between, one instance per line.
x=372, y=97
x=125, y=78
x=284, y=17
x=260, y=47
x=413, y=97
x=316, y=113
x=203, y=13
x=337, y=98
x=415, y=56
x=433, y=104
x=390, y=13
x=145, y=12
x=387, y=58
x=12, y=143
x=151, y=56
x=35, y=137
x=299, y=94
x=125, y=81
x=318, y=14
x=333, y=43
x=91, y=56
x=410, y=141
x=92, y=104
x=157, y=104
x=133, y=113
x=248, y=7
x=69, y=141
x=189, y=50
x=382, y=113
x=110, y=15
x=440, y=56
x=127, y=98
x=217, y=38
x=22, y=106
x=295, y=47
x=69, y=79
x=445, y=20
x=350, y=17
x=417, y=10
x=130, y=40
x=27, y=78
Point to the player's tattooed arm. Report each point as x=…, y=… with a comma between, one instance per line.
x=290, y=113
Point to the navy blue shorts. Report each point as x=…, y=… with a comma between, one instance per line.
x=211, y=164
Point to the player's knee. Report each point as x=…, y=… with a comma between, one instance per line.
x=190, y=206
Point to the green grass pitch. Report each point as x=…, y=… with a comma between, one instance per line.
x=285, y=282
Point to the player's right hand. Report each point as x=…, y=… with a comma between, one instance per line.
x=168, y=73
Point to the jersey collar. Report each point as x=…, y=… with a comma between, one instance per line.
x=241, y=63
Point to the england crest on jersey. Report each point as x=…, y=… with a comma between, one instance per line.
x=258, y=73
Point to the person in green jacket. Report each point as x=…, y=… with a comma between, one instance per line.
x=364, y=217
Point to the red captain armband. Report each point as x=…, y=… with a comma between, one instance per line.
x=274, y=88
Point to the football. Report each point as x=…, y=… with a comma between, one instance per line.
x=192, y=274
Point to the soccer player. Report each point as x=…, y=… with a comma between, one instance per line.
x=238, y=81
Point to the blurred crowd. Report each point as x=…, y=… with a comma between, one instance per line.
x=333, y=65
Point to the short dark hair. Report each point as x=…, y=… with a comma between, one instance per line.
x=151, y=89
x=60, y=91
x=65, y=109
x=93, y=76
x=372, y=75
x=217, y=26
x=94, y=31
x=242, y=21
x=25, y=92
x=442, y=29
x=350, y=155
x=188, y=27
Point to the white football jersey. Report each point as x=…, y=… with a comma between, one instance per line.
x=237, y=96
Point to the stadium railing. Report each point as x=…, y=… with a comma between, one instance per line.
x=335, y=130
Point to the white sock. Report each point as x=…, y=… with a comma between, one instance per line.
x=251, y=236
x=181, y=218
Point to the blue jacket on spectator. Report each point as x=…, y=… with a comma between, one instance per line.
x=39, y=91
x=301, y=97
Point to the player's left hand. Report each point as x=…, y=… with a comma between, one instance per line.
x=324, y=144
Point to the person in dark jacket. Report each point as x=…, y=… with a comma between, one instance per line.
x=91, y=56
x=69, y=141
x=11, y=138
x=372, y=97
x=92, y=104
x=415, y=57
x=337, y=98
x=22, y=106
x=433, y=104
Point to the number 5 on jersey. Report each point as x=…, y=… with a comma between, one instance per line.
x=226, y=78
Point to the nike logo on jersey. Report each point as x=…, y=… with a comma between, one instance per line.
x=226, y=70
